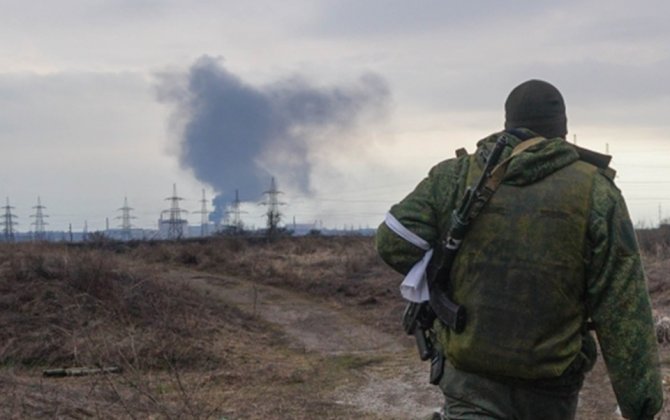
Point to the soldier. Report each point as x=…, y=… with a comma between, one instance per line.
x=551, y=255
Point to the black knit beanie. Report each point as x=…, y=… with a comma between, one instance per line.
x=538, y=106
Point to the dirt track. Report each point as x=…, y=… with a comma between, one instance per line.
x=309, y=329
x=396, y=387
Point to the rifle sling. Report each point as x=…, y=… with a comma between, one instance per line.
x=497, y=175
x=449, y=312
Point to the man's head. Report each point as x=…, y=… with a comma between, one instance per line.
x=538, y=106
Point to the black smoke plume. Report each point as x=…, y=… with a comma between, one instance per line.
x=232, y=135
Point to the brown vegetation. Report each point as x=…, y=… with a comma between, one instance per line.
x=183, y=353
x=347, y=270
x=159, y=311
x=62, y=307
x=65, y=306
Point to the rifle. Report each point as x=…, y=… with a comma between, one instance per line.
x=418, y=317
x=439, y=270
x=417, y=321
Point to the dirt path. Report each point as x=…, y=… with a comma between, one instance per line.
x=314, y=326
x=396, y=387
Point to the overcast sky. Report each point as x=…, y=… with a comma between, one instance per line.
x=346, y=103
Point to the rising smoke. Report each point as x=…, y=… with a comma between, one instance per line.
x=233, y=135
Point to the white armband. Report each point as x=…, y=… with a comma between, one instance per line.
x=415, y=285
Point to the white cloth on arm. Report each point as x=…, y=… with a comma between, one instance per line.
x=415, y=285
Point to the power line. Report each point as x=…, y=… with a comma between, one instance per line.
x=8, y=223
x=636, y=165
x=175, y=222
x=344, y=200
x=235, y=225
x=272, y=203
x=204, y=218
x=126, y=226
x=39, y=223
x=643, y=182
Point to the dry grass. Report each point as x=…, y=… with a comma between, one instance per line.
x=655, y=243
x=185, y=354
x=65, y=307
x=341, y=269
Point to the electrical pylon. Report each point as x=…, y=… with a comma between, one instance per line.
x=8, y=223
x=175, y=221
x=204, y=214
x=234, y=215
x=126, y=226
x=273, y=215
x=39, y=234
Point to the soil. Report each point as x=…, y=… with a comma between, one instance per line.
x=396, y=387
x=311, y=332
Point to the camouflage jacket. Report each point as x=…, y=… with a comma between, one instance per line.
x=616, y=295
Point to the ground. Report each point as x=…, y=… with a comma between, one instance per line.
x=388, y=372
x=300, y=329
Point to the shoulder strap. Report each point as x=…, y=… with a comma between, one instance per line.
x=475, y=198
x=499, y=171
x=497, y=175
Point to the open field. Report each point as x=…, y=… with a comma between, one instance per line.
x=228, y=328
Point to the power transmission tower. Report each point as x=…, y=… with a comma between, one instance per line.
x=272, y=213
x=234, y=216
x=175, y=221
x=39, y=233
x=204, y=221
x=9, y=223
x=126, y=226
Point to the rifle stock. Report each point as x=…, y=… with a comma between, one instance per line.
x=417, y=320
x=449, y=312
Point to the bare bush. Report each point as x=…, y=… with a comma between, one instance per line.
x=324, y=267
x=655, y=242
x=63, y=306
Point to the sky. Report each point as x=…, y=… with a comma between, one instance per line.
x=347, y=104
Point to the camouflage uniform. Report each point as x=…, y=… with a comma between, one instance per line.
x=613, y=294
